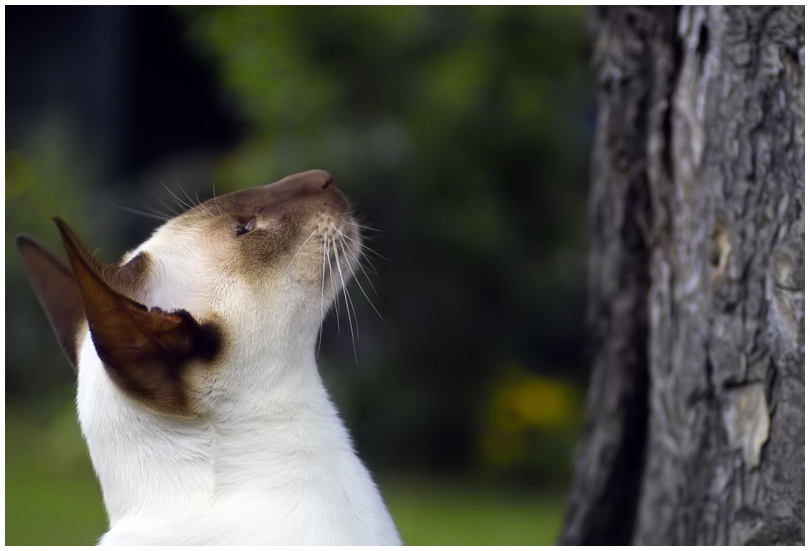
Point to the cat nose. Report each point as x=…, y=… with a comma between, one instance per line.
x=313, y=180
x=315, y=184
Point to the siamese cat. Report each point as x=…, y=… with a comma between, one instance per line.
x=198, y=391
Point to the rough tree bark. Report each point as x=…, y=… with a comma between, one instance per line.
x=695, y=421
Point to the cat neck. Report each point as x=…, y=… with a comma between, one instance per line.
x=275, y=450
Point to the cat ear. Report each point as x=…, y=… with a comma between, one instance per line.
x=145, y=351
x=57, y=292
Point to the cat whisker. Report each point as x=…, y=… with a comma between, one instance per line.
x=200, y=204
x=364, y=255
x=168, y=215
x=190, y=200
x=327, y=249
x=299, y=250
x=142, y=213
x=360, y=285
x=344, y=237
x=176, y=198
x=168, y=207
x=367, y=228
x=347, y=299
x=365, y=273
x=323, y=283
x=351, y=302
x=359, y=222
x=215, y=190
x=364, y=247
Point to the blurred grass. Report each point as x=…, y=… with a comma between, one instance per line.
x=52, y=497
x=436, y=511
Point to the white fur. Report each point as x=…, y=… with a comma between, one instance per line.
x=268, y=461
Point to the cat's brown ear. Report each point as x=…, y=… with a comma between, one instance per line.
x=145, y=351
x=57, y=292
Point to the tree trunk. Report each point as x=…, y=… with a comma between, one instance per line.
x=695, y=421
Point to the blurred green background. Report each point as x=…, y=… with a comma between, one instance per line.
x=460, y=134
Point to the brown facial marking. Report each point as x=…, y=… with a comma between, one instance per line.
x=270, y=222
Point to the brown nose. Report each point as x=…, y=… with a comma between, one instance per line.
x=311, y=180
x=298, y=189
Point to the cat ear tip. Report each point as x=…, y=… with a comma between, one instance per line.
x=26, y=242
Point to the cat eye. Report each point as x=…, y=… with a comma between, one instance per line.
x=242, y=229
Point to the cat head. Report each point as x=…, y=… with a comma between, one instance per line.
x=251, y=266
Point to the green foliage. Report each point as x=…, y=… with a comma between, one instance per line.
x=52, y=496
x=528, y=427
x=434, y=511
x=49, y=173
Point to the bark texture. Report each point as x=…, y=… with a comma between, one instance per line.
x=695, y=431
